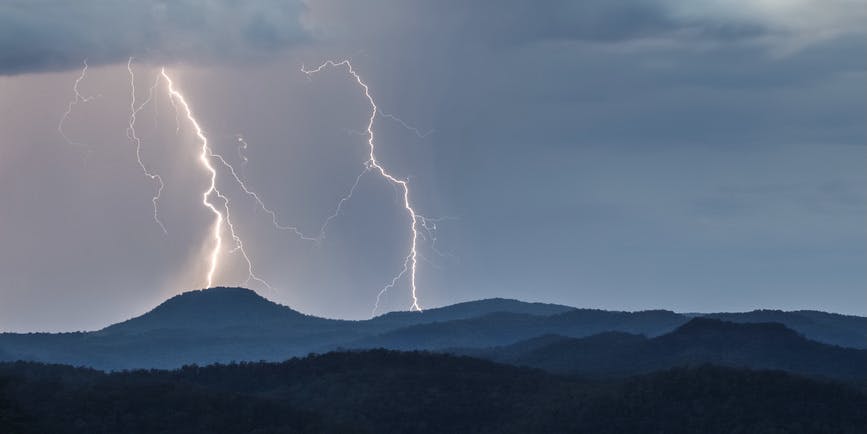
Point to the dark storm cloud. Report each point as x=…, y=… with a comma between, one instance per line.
x=519, y=21
x=45, y=35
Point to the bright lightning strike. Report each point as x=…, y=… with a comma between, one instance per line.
x=131, y=134
x=411, y=261
x=220, y=220
x=420, y=226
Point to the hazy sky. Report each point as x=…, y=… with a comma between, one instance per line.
x=694, y=156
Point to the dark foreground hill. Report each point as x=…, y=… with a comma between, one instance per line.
x=390, y=392
x=220, y=325
x=700, y=341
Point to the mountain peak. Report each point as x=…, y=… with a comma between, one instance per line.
x=214, y=293
x=210, y=308
x=216, y=298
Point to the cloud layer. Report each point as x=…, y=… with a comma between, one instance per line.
x=45, y=35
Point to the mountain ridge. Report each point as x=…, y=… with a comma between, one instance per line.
x=236, y=324
x=699, y=341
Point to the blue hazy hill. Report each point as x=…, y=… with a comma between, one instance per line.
x=236, y=324
x=465, y=310
x=843, y=330
x=698, y=342
x=217, y=308
x=501, y=328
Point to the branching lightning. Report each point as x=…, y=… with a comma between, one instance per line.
x=416, y=131
x=220, y=220
x=342, y=200
x=275, y=220
x=131, y=134
x=410, y=263
x=218, y=203
x=77, y=98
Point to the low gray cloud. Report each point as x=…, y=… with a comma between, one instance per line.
x=44, y=35
x=602, y=21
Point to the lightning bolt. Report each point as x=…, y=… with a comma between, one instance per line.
x=77, y=98
x=275, y=220
x=221, y=220
x=239, y=247
x=342, y=200
x=410, y=262
x=430, y=226
x=218, y=203
x=132, y=136
x=416, y=131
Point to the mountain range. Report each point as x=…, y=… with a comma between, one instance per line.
x=235, y=324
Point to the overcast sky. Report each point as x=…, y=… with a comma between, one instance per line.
x=693, y=156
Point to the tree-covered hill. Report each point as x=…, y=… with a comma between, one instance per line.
x=382, y=391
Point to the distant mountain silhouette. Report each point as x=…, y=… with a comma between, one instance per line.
x=236, y=324
x=470, y=309
x=700, y=341
x=843, y=330
x=505, y=327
